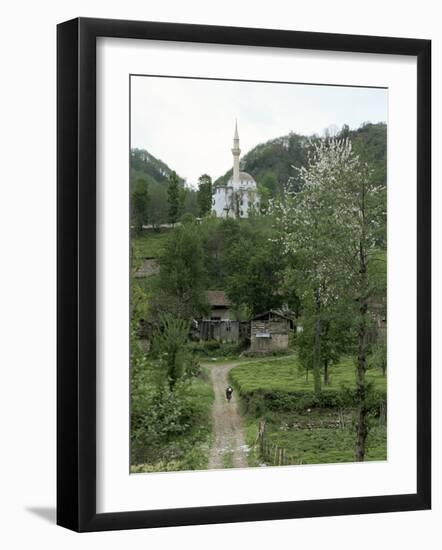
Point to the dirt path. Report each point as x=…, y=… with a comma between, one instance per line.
x=229, y=449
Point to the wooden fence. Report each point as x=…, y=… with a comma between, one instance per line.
x=274, y=455
x=271, y=453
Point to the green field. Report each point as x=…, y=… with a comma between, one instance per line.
x=283, y=374
x=310, y=430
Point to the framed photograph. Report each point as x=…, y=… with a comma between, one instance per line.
x=243, y=274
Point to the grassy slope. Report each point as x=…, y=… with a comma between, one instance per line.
x=149, y=244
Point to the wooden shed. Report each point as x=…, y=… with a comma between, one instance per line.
x=269, y=332
x=219, y=305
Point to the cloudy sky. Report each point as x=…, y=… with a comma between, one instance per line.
x=189, y=123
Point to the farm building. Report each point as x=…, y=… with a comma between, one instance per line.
x=219, y=326
x=269, y=332
x=221, y=330
x=219, y=305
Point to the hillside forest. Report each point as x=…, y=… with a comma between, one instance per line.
x=313, y=255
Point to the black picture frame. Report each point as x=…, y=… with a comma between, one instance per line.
x=76, y=274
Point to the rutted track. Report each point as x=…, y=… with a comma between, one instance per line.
x=229, y=447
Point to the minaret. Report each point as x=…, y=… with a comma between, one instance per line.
x=236, y=151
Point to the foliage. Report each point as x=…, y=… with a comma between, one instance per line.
x=139, y=204
x=170, y=342
x=143, y=164
x=310, y=230
x=170, y=430
x=217, y=238
x=337, y=338
x=204, y=195
x=243, y=258
x=254, y=264
x=158, y=207
x=173, y=195
x=333, y=226
x=378, y=356
x=214, y=348
x=180, y=287
x=271, y=163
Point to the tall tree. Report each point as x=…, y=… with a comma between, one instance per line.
x=139, y=204
x=158, y=206
x=182, y=281
x=204, y=196
x=254, y=264
x=334, y=225
x=173, y=192
x=306, y=224
x=170, y=343
x=361, y=201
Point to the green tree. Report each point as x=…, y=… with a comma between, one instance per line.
x=182, y=281
x=139, y=204
x=173, y=192
x=204, y=196
x=254, y=264
x=190, y=202
x=170, y=343
x=362, y=213
x=332, y=227
x=158, y=206
x=217, y=235
x=336, y=338
x=306, y=225
x=335, y=224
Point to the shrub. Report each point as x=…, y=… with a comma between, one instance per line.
x=210, y=348
x=256, y=402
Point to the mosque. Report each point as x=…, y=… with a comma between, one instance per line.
x=239, y=197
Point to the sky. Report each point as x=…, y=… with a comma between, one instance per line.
x=189, y=123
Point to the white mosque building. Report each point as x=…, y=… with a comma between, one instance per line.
x=239, y=197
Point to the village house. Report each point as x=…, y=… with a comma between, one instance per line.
x=219, y=305
x=269, y=332
x=218, y=326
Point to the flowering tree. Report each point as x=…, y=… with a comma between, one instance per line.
x=331, y=227
x=309, y=224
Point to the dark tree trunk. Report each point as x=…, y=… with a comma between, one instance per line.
x=361, y=386
x=326, y=380
x=325, y=331
x=317, y=346
x=361, y=390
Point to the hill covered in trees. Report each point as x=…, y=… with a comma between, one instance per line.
x=152, y=170
x=271, y=164
x=150, y=179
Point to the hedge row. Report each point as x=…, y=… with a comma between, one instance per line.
x=257, y=402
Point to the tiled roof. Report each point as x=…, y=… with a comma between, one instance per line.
x=217, y=298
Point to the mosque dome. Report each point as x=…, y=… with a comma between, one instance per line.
x=245, y=181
